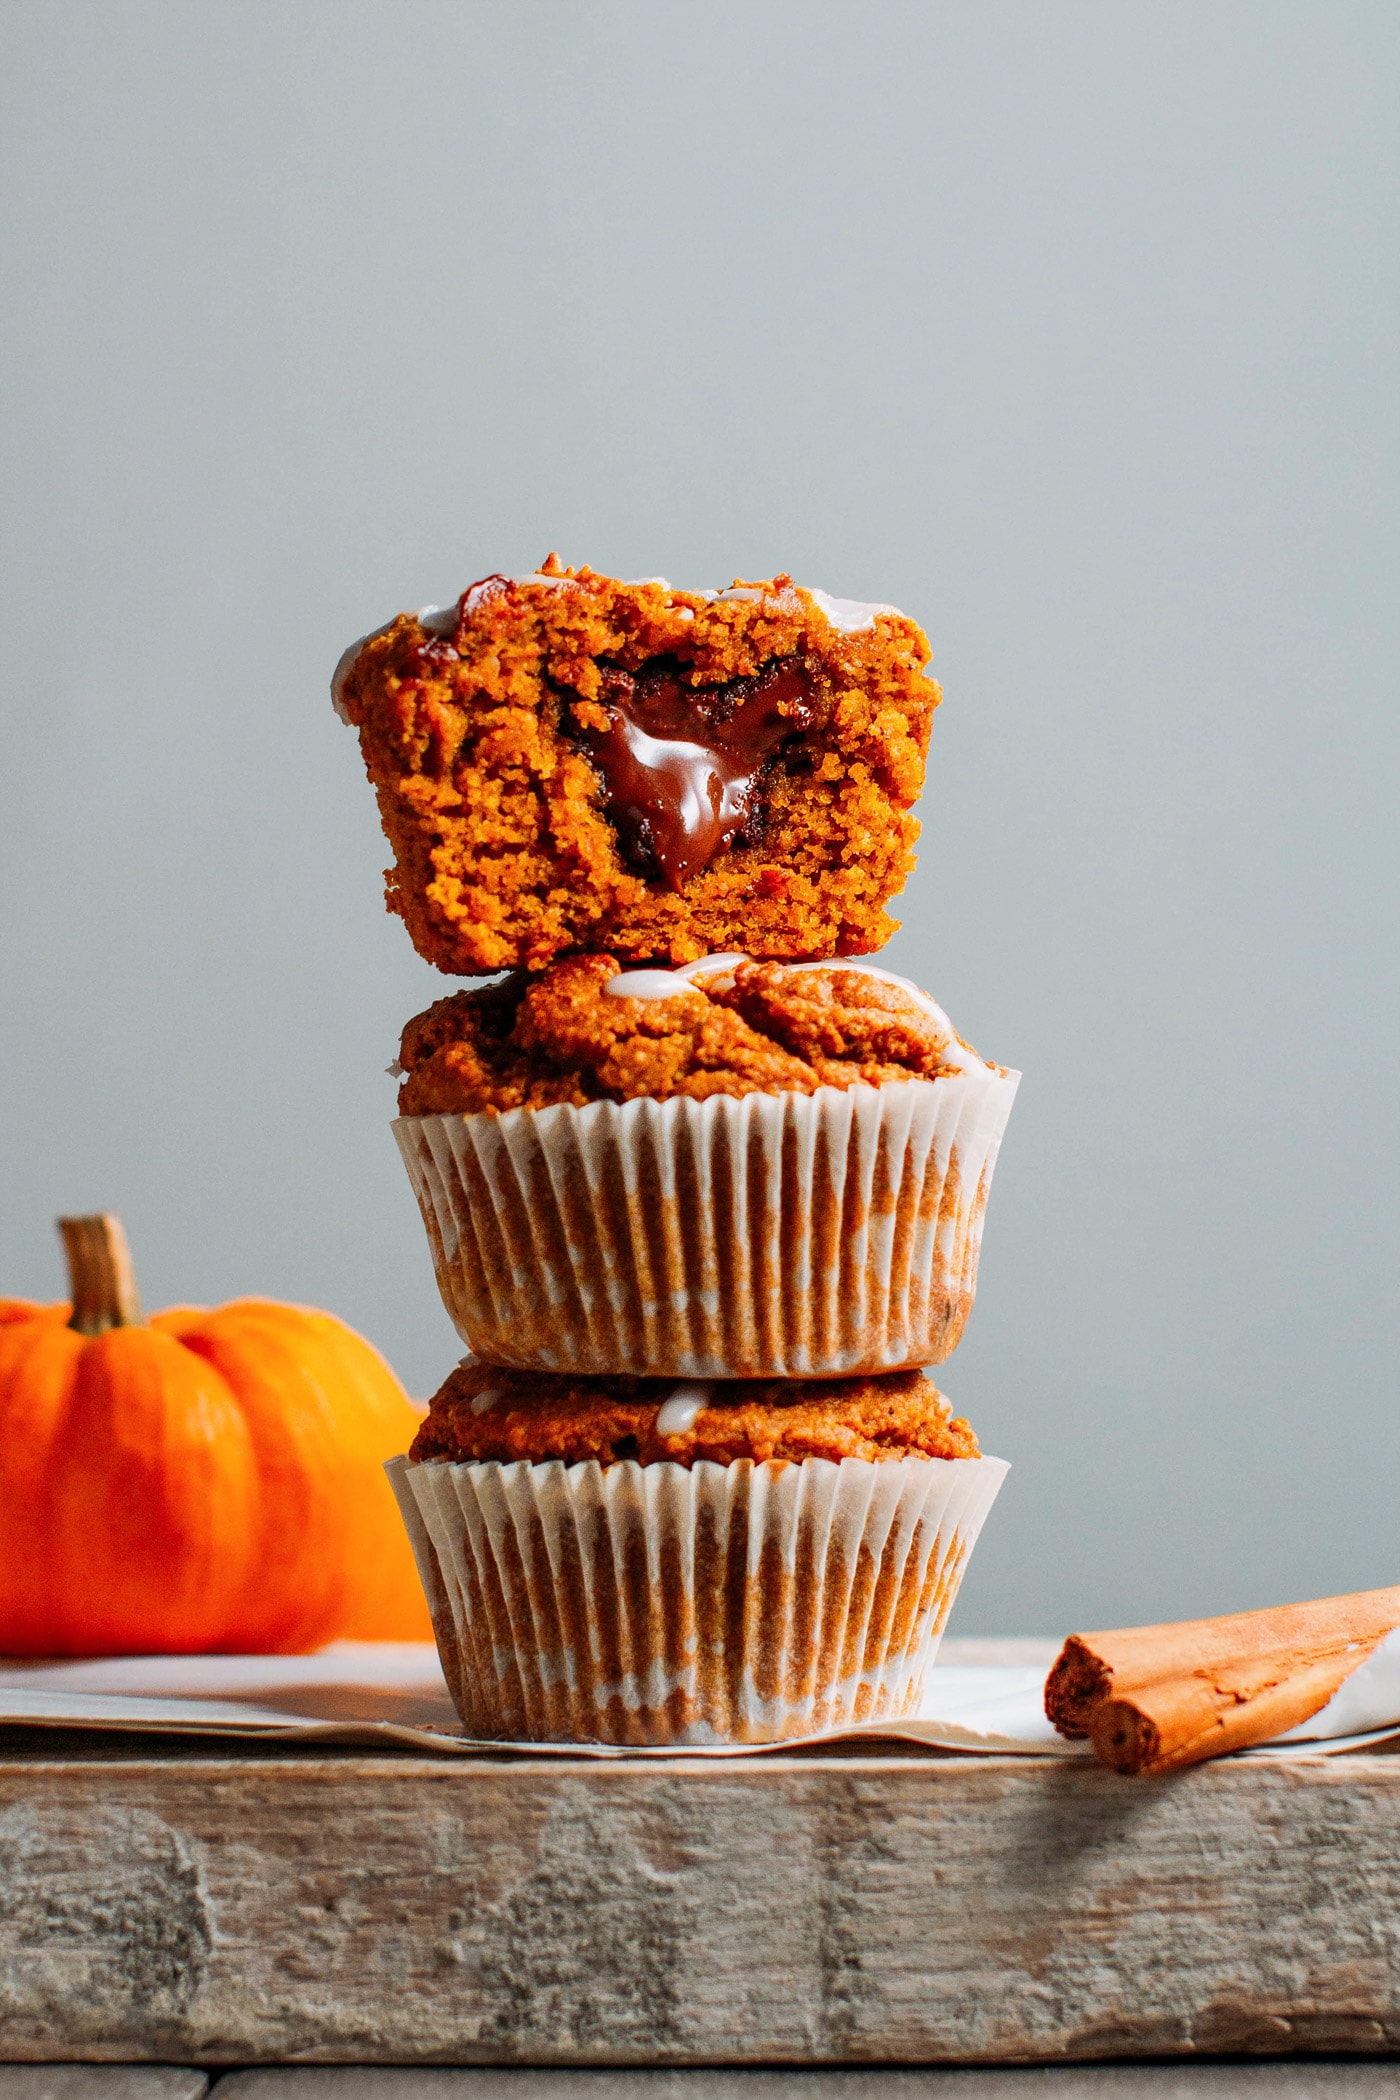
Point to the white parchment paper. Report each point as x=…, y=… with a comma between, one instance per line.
x=383, y=1693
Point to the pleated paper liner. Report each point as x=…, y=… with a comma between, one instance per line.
x=660, y=1604
x=768, y=1236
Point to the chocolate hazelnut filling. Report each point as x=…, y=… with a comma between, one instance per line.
x=682, y=765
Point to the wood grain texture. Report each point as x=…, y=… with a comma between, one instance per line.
x=213, y=1909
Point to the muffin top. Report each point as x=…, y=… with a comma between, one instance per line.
x=484, y=1412
x=587, y=1030
x=567, y=763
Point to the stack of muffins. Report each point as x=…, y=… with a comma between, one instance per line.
x=704, y=1193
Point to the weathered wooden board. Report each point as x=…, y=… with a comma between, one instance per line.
x=210, y=1908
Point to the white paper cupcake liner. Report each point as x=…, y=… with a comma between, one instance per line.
x=768, y=1236
x=664, y=1604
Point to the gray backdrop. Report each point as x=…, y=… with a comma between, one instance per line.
x=1071, y=328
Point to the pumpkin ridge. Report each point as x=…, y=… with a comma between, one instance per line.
x=38, y=1372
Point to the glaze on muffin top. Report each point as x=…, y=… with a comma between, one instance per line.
x=484, y=1412
x=586, y=1030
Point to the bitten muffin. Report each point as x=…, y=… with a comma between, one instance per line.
x=484, y=1412
x=565, y=762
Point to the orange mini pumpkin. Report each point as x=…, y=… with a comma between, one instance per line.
x=198, y=1481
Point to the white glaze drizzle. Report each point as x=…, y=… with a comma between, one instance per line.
x=716, y=971
x=952, y=1053
x=647, y=984
x=682, y=1405
x=440, y=620
x=345, y=666
x=488, y=587
x=709, y=965
x=849, y=615
x=664, y=984
x=483, y=1400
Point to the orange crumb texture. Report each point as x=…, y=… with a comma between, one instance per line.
x=756, y=1029
x=482, y=1412
x=504, y=857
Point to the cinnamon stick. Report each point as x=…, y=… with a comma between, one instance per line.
x=1151, y=1698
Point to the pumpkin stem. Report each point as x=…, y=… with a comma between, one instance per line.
x=102, y=1282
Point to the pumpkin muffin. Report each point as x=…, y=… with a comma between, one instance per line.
x=627, y=1561
x=736, y=1169
x=568, y=763
x=588, y=1030
x=484, y=1412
